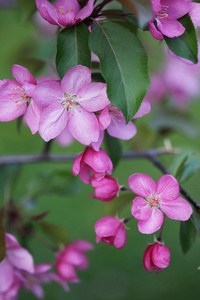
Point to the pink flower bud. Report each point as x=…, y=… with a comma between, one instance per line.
x=111, y=231
x=156, y=256
x=72, y=257
x=96, y=162
x=105, y=189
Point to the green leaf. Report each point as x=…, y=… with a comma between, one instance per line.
x=187, y=235
x=72, y=48
x=189, y=169
x=114, y=148
x=8, y=177
x=57, y=233
x=123, y=64
x=58, y=182
x=195, y=218
x=2, y=238
x=186, y=45
x=178, y=164
x=113, y=207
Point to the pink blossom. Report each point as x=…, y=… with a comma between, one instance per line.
x=105, y=189
x=33, y=282
x=64, y=13
x=91, y=161
x=65, y=138
x=71, y=103
x=112, y=119
x=165, y=15
x=15, y=95
x=17, y=258
x=156, y=256
x=72, y=257
x=155, y=198
x=111, y=231
x=194, y=12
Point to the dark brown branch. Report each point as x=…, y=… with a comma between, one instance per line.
x=46, y=157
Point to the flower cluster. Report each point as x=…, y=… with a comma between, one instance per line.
x=17, y=269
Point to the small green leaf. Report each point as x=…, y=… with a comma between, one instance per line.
x=57, y=233
x=178, y=164
x=195, y=218
x=114, y=148
x=72, y=48
x=2, y=238
x=123, y=64
x=186, y=45
x=113, y=207
x=187, y=235
x=189, y=169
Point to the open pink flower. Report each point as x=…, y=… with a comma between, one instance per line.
x=91, y=161
x=112, y=119
x=64, y=13
x=165, y=15
x=72, y=257
x=111, y=231
x=155, y=198
x=105, y=189
x=71, y=103
x=156, y=256
x=15, y=95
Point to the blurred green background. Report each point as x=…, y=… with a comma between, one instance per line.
x=113, y=274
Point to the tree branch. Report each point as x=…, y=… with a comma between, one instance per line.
x=46, y=157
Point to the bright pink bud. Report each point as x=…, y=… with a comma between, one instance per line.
x=72, y=257
x=105, y=189
x=156, y=256
x=96, y=162
x=111, y=231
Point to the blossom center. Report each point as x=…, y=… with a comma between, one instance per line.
x=162, y=14
x=61, y=11
x=154, y=201
x=20, y=97
x=69, y=103
x=115, y=114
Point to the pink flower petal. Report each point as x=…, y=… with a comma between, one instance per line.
x=47, y=11
x=160, y=255
x=104, y=118
x=53, y=121
x=122, y=130
x=170, y=27
x=96, y=145
x=153, y=223
x=83, y=126
x=175, y=9
x=141, y=209
x=99, y=161
x=21, y=259
x=92, y=96
x=120, y=238
x=75, y=79
x=85, y=11
x=42, y=268
x=167, y=187
x=77, y=164
x=9, y=110
x=6, y=275
x=81, y=245
x=67, y=272
x=142, y=184
x=147, y=258
x=107, y=226
x=155, y=32
x=65, y=138
x=32, y=117
x=144, y=109
x=47, y=93
x=22, y=74
x=178, y=209
x=194, y=13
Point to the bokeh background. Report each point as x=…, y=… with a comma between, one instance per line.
x=113, y=274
